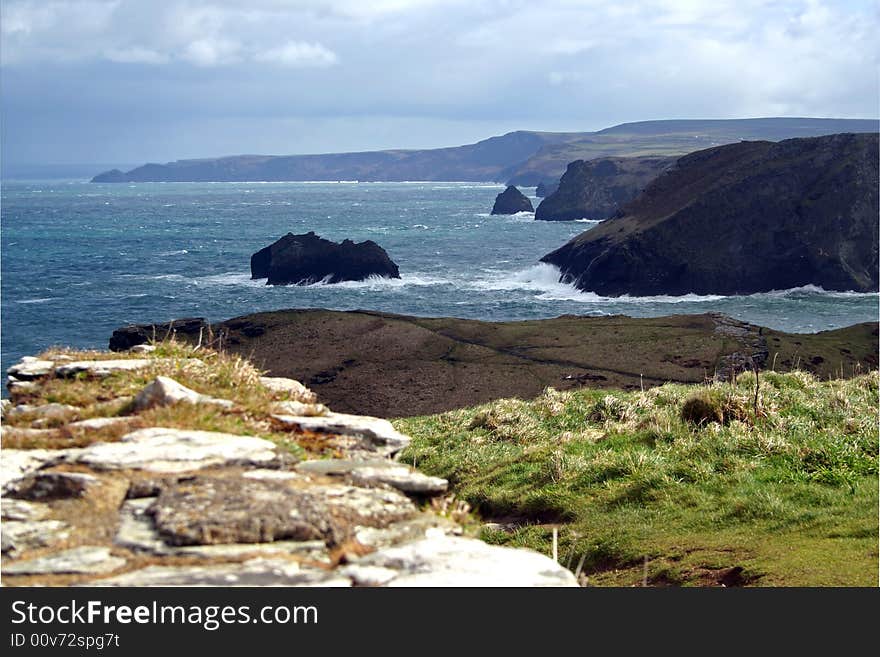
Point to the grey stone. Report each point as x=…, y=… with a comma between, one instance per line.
x=380, y=434
x=87, y=559
x=164, y=391
x=27, y=433
x=439, y=560
x=5, y=405
x=255, y=572
x=294, y=389
x=374, y=472
x=212, y=510
x=31, y=368
x=137, y=532
x=405, y=531
x=160, y=449
x=18, y=536
x=142, y=349
x=51, y=485
x=21, y=510
x=16, y=463
x=17, y=387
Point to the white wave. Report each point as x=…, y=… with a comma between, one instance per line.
x=808, y=290
x=381, y=282
x=422, y=226
x=173, y=253
x=229, y=278
x=589, y=221
x=544, y=279
x=41, y=300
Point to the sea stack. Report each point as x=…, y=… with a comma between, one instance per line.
x=305, y=259
x=739, y=219
x=511, y=201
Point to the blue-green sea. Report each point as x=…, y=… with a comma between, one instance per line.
x=80, y=259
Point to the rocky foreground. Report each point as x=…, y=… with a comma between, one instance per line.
x=179, y=466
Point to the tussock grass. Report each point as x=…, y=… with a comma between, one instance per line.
x=205, y=370
x=700, y=479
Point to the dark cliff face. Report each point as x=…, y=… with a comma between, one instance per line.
x=739, y=219
x=304, y=259
x=596, y=189
x=511, y=201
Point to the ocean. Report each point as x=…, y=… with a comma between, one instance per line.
x=81, y=259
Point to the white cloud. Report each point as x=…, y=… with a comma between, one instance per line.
x=212, y=51
x=298, y=54
x=135, y=55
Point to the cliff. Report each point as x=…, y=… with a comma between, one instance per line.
x=522, y=158
x=739, y=219
x=595, y=189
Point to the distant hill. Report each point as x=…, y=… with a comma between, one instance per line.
x=520, y=158
x=741, y=218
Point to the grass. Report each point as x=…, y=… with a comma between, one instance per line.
x=205, y=370
x=706, y=484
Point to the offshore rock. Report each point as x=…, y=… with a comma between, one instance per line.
x=305, y=259
x=511, y=201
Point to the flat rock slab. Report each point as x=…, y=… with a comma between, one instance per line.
x=175, y=450
x=16, y=463
x=11, y=509
x=256, y=572
x=44, y=411
x=382, y=436
x=88, y=559
x=165, y=391
x=137, y=532
x=440, y=560
x=213, y=510
x=366, y=473
x=27, y=535
x=31, y=368
x=52, y=485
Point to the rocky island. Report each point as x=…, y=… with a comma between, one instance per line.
x=305, y=259
x=739, y=219
x=511, y=201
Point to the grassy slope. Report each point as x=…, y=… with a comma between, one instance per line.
x=786, y=496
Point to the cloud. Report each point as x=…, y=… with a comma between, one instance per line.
x=298, y=54
x=74, y=69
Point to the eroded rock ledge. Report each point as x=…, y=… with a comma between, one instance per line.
x=120, y=499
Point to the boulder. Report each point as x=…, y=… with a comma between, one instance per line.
x=164, y=391
x=305, y=259
x=177, y=450
x=511, y=201
x=378, y=435
x=739, y=219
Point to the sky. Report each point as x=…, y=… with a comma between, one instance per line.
x=128, y=81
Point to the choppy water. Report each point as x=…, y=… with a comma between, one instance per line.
x=80, y=259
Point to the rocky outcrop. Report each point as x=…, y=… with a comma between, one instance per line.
x=738, y=219
x=511, y=201
x=311, y=501
x=596, y=189
x=304, y=259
